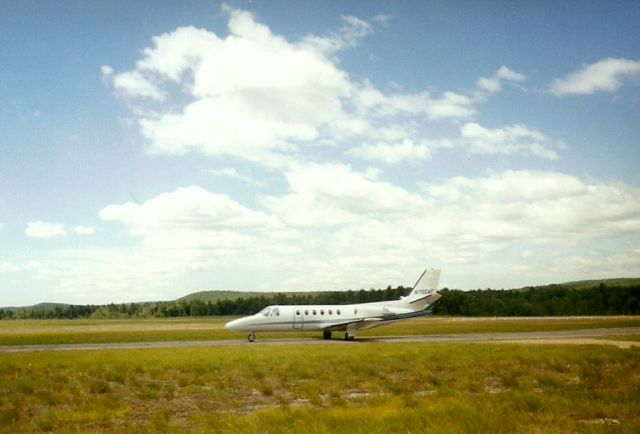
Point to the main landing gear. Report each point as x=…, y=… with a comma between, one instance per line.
x=348, y=336
x=251, y=337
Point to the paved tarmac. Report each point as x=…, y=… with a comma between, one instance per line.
x=588, y=336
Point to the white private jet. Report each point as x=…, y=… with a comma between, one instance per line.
x=347, y=318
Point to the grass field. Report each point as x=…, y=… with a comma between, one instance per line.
x=635, y=337
x=343, y=388
x=190, y=329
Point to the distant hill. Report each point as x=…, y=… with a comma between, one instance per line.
x=214, y=296
x=37, y=306
x=48, y=305
x=622, y=282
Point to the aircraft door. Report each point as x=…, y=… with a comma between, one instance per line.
x=298, y=319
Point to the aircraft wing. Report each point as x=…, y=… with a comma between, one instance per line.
x=370, y=322
x=362, y=323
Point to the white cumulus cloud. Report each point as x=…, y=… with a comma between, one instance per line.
x=84, y=230
x=188, y=208
x=231, y=172
x=494, y=83
x=251, y=92
x=45, y=230
x=333, y=194
x=450, y=105
x=338, y=228
x=392, y=153
x=536, y=206
x=9, y=267
x=510, y=140
x=603, y=76
x=351, y=32
x=255, y=95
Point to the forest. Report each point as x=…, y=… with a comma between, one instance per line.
x=552, y=300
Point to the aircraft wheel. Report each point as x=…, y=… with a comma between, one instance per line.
x=348, y=337
x=251, y=337
x=326, y=334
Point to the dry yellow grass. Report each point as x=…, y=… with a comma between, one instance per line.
x=335, y=388
x=192, y=329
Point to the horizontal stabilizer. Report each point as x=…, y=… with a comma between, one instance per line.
x=429, y=299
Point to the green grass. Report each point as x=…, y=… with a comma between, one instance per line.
x=342, y=388
x=25, y=332
x=625, y=337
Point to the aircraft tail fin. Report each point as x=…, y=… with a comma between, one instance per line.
x=424, y=292
x=427, y=284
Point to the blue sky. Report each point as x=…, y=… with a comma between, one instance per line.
x=151, y=149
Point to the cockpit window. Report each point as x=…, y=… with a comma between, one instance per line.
x=266, y=311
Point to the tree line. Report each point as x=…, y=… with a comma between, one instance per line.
x=552, y=300
x=197, y=307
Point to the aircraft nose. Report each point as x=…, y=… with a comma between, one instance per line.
x=234, y=325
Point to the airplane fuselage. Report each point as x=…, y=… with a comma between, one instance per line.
x=347, y=318
x=314, y=317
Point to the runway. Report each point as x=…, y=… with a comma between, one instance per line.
x=587, y=336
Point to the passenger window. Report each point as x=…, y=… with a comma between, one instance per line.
x=314, y=311
x=338, y=311
x=330, y=312
x=306, y=312
x=322, y=312
x=297, y=312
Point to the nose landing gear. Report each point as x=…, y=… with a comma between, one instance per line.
x=251, y=337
